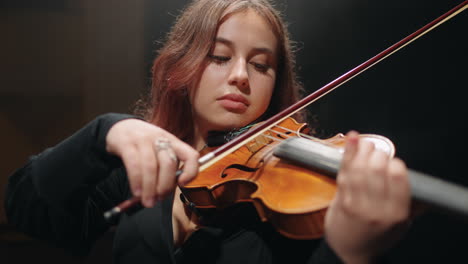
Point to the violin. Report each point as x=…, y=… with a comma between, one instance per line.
x=286, y=176
x=289, y=177
x=292, y=197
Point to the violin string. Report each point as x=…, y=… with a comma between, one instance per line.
x=282, y=134
x=295, y=132
x=312, y=138
x=273, y=138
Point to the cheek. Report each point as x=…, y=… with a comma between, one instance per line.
x=211, y=77
x=264, y=93
x=208, y=81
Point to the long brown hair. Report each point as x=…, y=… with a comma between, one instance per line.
x=185, y=51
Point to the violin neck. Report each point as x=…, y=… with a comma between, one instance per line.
x=429, y=190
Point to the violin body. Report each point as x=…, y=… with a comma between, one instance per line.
x=292, y=198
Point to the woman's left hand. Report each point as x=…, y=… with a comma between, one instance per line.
x=371, y=208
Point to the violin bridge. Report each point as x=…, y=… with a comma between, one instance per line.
x=259, y=142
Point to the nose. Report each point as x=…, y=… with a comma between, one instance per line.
x=239, y=75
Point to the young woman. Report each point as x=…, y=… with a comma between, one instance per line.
x=226, y=64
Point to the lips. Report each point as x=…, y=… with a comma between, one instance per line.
x=234, y=102
x=236, y=98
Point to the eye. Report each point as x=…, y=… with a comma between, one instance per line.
x=261, y=67
x=219, y=59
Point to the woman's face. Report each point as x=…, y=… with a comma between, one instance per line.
x=236, y=85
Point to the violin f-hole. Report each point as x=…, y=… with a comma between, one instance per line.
x=281, y=136
x=238, y=167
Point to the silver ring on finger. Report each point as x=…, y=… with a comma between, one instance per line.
x=165, y=144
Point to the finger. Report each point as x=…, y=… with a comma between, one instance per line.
x=167, y=162
x=399, y=194
x=189, y=157
x=351, y=147
x=150, y=176
x=356, y=173
x=344, y=193
x=344, y=196
x=377, y=178
x=131, y=161
x=358, y=166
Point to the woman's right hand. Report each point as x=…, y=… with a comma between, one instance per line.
x=151, y=171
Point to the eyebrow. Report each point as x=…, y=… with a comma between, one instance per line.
x=231, y=44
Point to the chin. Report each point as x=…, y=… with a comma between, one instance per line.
x=231, y=121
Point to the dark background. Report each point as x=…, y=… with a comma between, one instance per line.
x=64, y=62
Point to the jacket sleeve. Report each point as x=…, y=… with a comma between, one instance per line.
x=324, y=255
x=60, y=195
